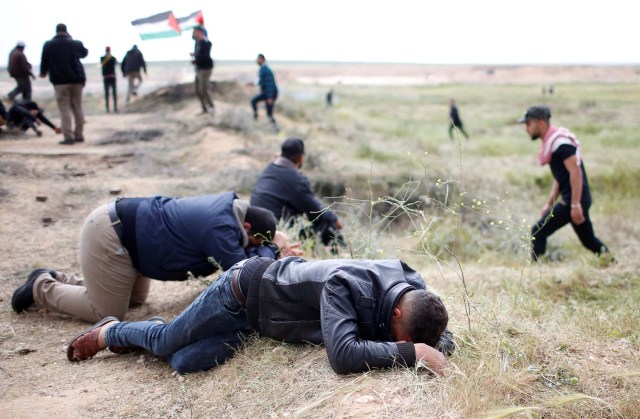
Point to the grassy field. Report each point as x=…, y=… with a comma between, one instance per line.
x=559, y=338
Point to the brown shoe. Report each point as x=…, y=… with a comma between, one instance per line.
x=85, y=344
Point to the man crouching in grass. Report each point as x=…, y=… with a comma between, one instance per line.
x=368, y=313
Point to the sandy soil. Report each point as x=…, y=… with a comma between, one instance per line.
x=36, y=380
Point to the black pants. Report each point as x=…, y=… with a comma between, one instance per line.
x=459, y=126
x=110, y=83
x=548, y=225
x=260, y=98
x=23, y=87
x=327, y=232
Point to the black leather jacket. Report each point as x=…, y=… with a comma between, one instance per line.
x=345, y=304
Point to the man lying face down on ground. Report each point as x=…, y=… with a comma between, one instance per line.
x=368, y=313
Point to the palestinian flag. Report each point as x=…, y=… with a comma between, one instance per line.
x=191, y=21
x=162, y=25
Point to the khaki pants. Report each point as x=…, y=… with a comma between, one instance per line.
x=133, y=86
x=202, y=88
x=69, y=100
x=110, y=285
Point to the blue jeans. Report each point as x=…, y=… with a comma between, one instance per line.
x=204, y=335
x=260, y=98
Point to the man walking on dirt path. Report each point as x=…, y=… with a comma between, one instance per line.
x=131, y=65
x=454, y=120
x=61, y=61
x=369, y=314
x=20, y=70
x=268, y=90
x=126, y=243
x=570, y=198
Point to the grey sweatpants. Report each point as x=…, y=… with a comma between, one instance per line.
x=110, y=284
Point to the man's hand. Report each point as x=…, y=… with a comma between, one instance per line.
x=58, y=130
x=339, y=224
x=431, y=358
x=39, y=133
x=577, y=216
x=270, y=101
x=282, y=241
x=43, y=75
x=544, y=209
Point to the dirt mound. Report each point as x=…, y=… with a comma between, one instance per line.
x=131, y=136
x=176, y=95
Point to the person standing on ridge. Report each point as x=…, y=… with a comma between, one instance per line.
x=204, y=67
x=61, y=61
x=109, y=63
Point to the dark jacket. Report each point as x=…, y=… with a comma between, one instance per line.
x=18, y=64
x=108, y=66
x=168, y=238
x=455, y=116
x=345, y=304
x=20, y=116
x=202, y=55
x=285, y=191
x=61, y=60
x=267, y=82
x=133, y=61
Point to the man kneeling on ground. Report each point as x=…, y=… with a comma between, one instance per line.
x=127, y=242
x=368, y=313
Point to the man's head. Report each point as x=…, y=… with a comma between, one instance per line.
x=260, y=60
x=32, y=107
x=536, y=119
x=260, y=225
x=198, y=33
x=293, y=149
x=61, y=28
x=20, y=45
x=107, y=50
x=419, y=317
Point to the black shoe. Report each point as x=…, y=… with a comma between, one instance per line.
x=79, y=140
x=67, y=141
x=23, y=296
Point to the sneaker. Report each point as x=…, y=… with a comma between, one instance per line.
x=67, y=141
x=23, y=296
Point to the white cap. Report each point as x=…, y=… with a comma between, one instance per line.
x=20, y=44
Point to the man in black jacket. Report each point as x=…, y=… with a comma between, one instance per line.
x=109, y=63
x=285, y=191
x=131, y=64
x=25, y=115
x=368, y=313
x=61, y=61
x=204, y=67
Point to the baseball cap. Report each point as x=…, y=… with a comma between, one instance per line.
x=20, y=44
x=536, y=112
x=292, y=147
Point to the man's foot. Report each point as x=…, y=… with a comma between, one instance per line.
x=255, y=116
x=67, y=141
x=87, y=344
x=23, y=296
x=79, y=140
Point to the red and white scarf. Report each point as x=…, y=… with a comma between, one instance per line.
x=554, y=138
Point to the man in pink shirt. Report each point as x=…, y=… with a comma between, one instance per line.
x=570, y=198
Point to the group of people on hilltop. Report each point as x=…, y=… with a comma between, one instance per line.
x=61, y=62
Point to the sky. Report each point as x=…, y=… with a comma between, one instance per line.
x=400, y=31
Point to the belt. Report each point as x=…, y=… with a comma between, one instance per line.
x=235, y=287
x=115, y=220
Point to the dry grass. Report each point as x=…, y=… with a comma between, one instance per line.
x=554, y=339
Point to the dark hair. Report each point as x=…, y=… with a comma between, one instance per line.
x=426, y=317
x=32, y=106
x=263, y=223
x=261, y=56
x=61, y=27
x=292, y=148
